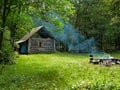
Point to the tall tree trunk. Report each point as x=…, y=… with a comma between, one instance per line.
x=3, y=22
x=118, y=43
x=78, y=21
x=13, y=31
x=13, y=28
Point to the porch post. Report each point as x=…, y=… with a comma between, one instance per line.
x=29, y=44
x=54, y=48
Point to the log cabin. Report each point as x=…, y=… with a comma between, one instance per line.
x=38, y=40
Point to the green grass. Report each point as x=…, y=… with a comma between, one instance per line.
x=59, y=71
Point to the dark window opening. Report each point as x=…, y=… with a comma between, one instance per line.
x=40, y=44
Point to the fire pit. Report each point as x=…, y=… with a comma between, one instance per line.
x=105, y=61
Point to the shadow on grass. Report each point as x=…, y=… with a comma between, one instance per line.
x=33, y=79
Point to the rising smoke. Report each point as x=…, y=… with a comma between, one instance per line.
x=69, y=35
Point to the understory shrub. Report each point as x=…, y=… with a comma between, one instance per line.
x=8, y=55
x=7, y=52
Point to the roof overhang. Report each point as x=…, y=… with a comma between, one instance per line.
x=29, y=34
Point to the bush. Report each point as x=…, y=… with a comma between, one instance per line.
x=7, y=53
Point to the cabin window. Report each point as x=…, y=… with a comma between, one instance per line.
x=40, y=44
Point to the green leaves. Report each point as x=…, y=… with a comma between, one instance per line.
x=64, y=8
x=115, y=9
x=115, y=20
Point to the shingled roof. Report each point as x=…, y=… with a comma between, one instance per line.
x=32, y=32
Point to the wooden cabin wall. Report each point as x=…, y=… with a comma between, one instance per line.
x=37, y=45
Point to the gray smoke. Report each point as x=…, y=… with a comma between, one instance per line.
x=70, y=36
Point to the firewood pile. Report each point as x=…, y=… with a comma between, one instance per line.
x=104, y=61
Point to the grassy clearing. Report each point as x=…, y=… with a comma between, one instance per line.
x=59, y=71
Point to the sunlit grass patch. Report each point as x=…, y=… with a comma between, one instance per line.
x=58, y=71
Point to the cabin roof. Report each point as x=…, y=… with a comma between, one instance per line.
x=41, y=30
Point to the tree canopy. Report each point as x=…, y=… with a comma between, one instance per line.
x=92, y=18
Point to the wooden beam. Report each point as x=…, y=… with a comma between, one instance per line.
x=54, y=45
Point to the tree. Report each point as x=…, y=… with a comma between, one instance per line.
x=92, y=19
x=5, y=9
x=10, y=14
x=115, y=21
x=18, y=15
x=50, y=10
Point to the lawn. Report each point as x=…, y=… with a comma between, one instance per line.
x=59, y=71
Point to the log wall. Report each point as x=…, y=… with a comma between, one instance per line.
x=37, y=45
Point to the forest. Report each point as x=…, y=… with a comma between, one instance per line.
x=92, y=18
x=83, y=36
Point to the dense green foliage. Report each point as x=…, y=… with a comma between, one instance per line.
x=93, y=18
x=8, y=55
x=17, y=16
x=59, y=71
x=99, y=18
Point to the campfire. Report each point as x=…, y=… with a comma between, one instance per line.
x=104, y=61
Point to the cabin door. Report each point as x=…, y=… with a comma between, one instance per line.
x=24, y=47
